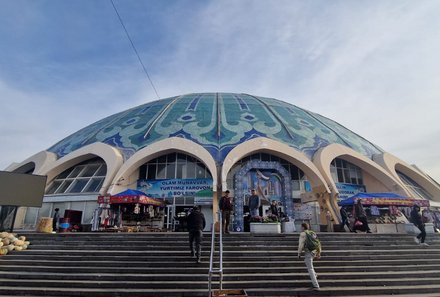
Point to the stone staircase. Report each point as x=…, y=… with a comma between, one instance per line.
x=158, y=264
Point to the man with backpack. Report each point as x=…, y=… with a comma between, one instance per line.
x=310, y=244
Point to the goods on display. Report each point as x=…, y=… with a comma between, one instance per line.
x=45, y=225
x=10, y=242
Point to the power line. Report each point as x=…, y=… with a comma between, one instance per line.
x=134, y=48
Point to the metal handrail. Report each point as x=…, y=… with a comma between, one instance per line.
x=211, y=257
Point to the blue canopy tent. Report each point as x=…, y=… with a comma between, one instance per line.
x=383, y=199
x=131, y=192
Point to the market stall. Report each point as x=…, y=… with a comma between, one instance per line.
x=131, y=210
x=434, y=213
x=386, y=212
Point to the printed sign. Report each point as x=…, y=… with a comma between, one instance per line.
x=348, y=190
x=302, y=211
x=203, y=201
x=168, y=188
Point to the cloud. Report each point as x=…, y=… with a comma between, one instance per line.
x=371, y=66
x=34, y=121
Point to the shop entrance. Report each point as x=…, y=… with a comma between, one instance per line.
x=180, y=218
x=272, y=181
x=179, y=213
x=169, y=214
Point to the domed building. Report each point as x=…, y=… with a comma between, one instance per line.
x=188, y=149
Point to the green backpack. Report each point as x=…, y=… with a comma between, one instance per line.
x=312, y=242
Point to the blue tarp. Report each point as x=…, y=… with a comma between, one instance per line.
x=131, y=192
x=380, y=198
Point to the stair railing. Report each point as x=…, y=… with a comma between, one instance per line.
x=213, y=270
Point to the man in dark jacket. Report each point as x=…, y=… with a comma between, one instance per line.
x=196, y=224
x=361, y=215
x=226, y=209
x=344, y=219
x=56, y=217
x=416, y=219
x=254, y=203
x=274, y=209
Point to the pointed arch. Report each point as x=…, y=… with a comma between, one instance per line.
x=276, y=148
x=172, y=144
x=39, y=162
x=111, y=156
x=392, y=164
x=239, y=193
x=323, y=158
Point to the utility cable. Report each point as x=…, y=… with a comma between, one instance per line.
x=134, y=48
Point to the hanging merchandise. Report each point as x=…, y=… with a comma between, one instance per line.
x=119, y=217
x=132, y=211
x=96, y=219
x=374, y=210
x=394, y=211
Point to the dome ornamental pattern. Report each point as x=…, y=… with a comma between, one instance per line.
x=218, y=122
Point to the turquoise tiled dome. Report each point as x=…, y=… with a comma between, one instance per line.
x=218, y=122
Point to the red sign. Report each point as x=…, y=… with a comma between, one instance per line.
x=394, y=201
x=130, y=199
x=103, y=199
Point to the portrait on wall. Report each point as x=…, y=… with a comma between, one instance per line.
x=267, y=183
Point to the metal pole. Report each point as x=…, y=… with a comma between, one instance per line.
x=13, y=219
x=211, y=258
x=221, y=249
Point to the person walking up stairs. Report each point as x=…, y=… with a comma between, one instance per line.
x=310, y=244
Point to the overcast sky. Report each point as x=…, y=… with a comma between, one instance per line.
x=373, y=66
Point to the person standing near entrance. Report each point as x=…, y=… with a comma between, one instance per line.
x=226, y=209
x=274, y=209
x=328, y=216
x=344, y=219
x=196, y=224
x=416, y=219
x=309, y=243
x=361, y=215
x=56, y=217
x=254, y=203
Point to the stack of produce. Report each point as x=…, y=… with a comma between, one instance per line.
x=9, y=242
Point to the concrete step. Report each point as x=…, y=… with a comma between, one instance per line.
x=173, y=237
x=428, y=290
x=232, y=246
x=272, y=240
x=84, y=256
x=409, y=290
x=287, y=282
x=127, y=251
x=158, y=264
x=228, y=276
x=171, y=267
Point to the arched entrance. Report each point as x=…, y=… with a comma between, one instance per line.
x=240, y=190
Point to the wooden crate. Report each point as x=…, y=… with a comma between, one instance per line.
x=226, y=293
